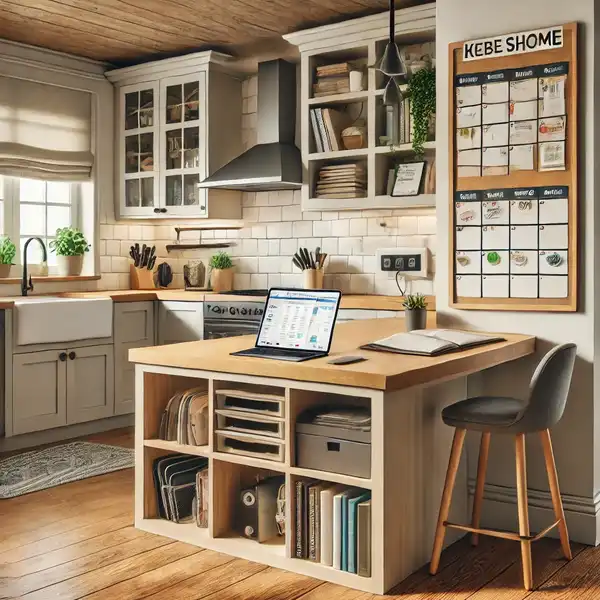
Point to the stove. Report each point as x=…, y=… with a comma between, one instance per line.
x=228, y=318
x=264, y=293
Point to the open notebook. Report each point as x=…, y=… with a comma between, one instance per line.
x=431, y=342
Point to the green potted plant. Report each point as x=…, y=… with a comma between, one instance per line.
x=221, y=272
x=415, y=311
x=421, y=91
x=69, y=245
x=8, y=252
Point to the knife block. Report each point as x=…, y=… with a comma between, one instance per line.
x=141, y=279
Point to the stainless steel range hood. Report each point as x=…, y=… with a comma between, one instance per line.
x=275, y=162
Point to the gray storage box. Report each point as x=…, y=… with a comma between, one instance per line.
x=333, y=449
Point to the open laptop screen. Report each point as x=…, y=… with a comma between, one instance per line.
x=299, y=319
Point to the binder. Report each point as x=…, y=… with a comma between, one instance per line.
x=353, y=529
x=364, y=539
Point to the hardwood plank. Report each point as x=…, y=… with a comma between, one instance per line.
x=331, y=591
x=101, y=578
x=577, y=580
x=547, y=561
x=161, y=580
x=71, y=553
x=205, y=584
x=270, y=584
x=81, y=565
x=67, y=538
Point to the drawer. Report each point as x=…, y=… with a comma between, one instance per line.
x=249, y=445
x=241, y=422
x=333, y=455
x=251, y=402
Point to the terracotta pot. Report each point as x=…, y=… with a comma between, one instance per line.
x=221, y=280
x=415, y=318
x=69, y=266
x=4, y=271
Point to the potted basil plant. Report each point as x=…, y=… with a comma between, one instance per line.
x=70, y=246
x=221, y=272
x=415, y=311
x=8, y=252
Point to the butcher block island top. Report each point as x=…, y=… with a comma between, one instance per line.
x=382, y=371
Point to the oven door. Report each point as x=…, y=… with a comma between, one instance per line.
x=222, y=328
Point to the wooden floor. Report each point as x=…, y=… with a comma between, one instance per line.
x=77, y=541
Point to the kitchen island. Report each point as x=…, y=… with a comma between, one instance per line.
x=408, y=454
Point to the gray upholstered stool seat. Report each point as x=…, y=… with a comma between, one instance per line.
x=543, y=409
x=495, y=414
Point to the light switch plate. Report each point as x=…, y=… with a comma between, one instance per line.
x=409, y=262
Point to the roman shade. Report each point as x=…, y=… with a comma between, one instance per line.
x=45, y=131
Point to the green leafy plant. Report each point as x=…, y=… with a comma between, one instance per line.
x=8, y=251
x=421, y=90
x=415, y=302
x=221, y=260
x=69, y=242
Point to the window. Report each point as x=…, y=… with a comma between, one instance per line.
x=35, y=208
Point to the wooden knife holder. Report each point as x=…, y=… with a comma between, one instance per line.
x=141, y=278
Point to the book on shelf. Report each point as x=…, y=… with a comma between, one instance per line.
x=346, y=180
x=327, y=125
x=353, y=529
x=316, y=131
x=326, y=521
x=302, y=487
x=334, y=69
x=432, y=342
x=343, y=195
x=363, y=551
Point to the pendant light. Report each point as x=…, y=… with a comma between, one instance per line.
x=391, y=64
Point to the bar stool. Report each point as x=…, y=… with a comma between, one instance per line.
x=491, y=414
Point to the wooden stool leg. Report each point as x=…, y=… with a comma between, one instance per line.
x=523, y=511
x=555, y=492
x=484, y=450
x=457, y=444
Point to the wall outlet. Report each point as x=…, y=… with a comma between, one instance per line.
x=409, y=262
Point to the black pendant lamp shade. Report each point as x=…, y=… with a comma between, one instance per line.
x=392, y=94
x=391, y=63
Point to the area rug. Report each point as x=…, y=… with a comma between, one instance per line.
x=41, y=469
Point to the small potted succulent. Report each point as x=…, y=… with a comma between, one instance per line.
x=8, y=252
x=69, y=245
x=415, y=311
x=221, y=272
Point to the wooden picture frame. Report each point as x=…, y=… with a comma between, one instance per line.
x=541, y=180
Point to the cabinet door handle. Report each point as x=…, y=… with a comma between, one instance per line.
x=157, y=210
x=163, y=210
x=72, y=355
x=62, y=356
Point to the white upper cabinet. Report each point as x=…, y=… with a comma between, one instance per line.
x=178, y=121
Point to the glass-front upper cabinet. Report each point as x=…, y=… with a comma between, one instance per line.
x=183, y=145
x=138, y=108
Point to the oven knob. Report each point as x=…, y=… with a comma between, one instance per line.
x=231, y=310
x=244, y=311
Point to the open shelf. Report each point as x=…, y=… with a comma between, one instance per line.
x=345, y=98
x=402, y=148
x=370, y=203
x=179, y=448
x=333, y=477
x=239, y=459
x=361, y=152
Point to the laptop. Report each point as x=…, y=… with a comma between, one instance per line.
x=297, y=325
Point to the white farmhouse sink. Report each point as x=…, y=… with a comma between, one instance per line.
x=47, y=320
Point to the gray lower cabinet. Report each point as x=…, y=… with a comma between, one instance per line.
x=62, y=387
x=133, y=328
x=90, y=384
x=180, y=322
x=39, y=398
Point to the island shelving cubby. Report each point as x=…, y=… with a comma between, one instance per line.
x=360, y=42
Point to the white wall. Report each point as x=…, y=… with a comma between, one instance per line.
x=459, y=20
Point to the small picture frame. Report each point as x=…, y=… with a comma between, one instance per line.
x=408, y=178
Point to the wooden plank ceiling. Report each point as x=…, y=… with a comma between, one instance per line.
x=129, y=31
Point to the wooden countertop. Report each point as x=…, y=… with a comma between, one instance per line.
x=369, y=302
x=382, y=371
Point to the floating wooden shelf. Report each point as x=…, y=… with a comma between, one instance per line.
x=376, y=202
x=340, y=98
x=339, y=154
x=402, y=148
x=172, y=247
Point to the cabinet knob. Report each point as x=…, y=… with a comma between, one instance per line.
x=157, y=210
x=62, y=356
x=72, y=355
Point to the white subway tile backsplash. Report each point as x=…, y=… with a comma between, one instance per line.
x=329, y=216
x=311, y=215
x=248, y=198
x=241, y=281
x=269, y=214
x=372, y=244
x=263, y=248
x=351, y=245
x=135, y=232
x=269, y=264
x=292, y=280
x=358, y=226
x=336, y=264
x=289, y=246
x=355, y=264
x=113, y=248
x=279, y=230
x=250, y=247
x=340, y=228
x=329, y=245
x=322, y=228
x=250, y=214
x=259, y=231
x=427, y=225
x=274, y=248
x=361, y=283
x=262, y=199
x=302, y=229
x=247, y=264
x=408, y=226
x=259, y=281
x=120, y=232
x=291, y=213
x=274, y=280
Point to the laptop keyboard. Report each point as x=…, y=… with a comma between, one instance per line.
x=281, y=352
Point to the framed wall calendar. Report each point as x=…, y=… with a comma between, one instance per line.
x=513, y=185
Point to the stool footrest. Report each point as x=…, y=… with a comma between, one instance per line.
x=507, y=535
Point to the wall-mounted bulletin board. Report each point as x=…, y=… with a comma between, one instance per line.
x=513, y=186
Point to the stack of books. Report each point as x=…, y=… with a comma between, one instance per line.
x=327, y=126
x=333, y=525
x=348, y=180
x=332, y=79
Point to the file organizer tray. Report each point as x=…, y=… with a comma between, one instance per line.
x=250, y=445
x=251, y=402
x=251, y=423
